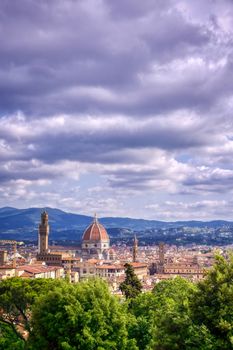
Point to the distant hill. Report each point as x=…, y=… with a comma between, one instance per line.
x=23, y=223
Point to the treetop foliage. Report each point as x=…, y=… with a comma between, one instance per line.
x=131, y=286
x=176, y=314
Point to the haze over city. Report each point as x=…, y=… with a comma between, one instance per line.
x=123, y=108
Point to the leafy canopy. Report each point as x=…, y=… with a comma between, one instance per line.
x=83, y=316
x=212, y=304
x=17, y=296
x=51, y=314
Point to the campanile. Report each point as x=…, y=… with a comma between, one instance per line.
x=43, y=237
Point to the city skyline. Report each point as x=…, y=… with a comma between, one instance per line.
x=117, y=107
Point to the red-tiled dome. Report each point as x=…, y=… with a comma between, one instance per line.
x=95, y=232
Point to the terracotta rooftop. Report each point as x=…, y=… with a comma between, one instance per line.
x=111, y=267
x=138, y=264
x=69, y=258
x=26, y=274
x=182, y=266
x=34, y=269
x=6, y=267
x=94, y=261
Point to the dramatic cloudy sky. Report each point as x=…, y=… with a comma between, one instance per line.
x=123, y=107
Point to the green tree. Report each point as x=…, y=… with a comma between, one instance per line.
x=173, y=327
x=9, y=340
x=84, y=316
x=164, y=321
x=17, y=296
x=131, y=287
x=212, y=304
x=142, y=308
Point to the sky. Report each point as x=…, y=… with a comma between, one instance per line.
x=120, y=107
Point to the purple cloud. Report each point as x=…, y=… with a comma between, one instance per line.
x=134, y=98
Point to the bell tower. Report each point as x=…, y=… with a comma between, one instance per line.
x=161, y=258
x=135, y=248
x=43, y=238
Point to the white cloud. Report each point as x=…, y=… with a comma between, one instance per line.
x=114, y=106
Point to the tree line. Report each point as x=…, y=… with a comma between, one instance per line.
x=56, y=315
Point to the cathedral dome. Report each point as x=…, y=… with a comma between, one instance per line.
x=95, y=232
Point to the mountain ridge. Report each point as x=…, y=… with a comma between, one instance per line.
x=13, y=218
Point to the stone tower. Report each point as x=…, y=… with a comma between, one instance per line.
x=161, y=258
x=43, y=238
x=135, y=248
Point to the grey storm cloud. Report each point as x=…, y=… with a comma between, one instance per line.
x=50, y=47
x=32, y=173
x=136, y=95
x=131, y=179
x=217, y=180
x=94, y=140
